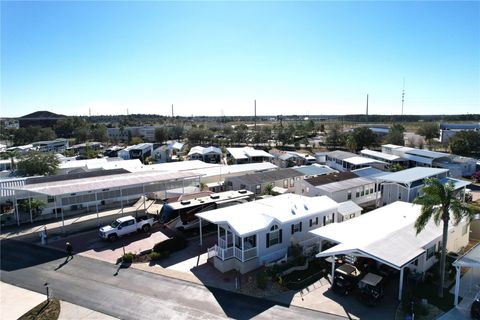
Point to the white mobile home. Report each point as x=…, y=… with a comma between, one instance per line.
x=341, y=187
x=405, y=185
x=255, y=233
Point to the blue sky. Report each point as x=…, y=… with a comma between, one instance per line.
x=213, y=58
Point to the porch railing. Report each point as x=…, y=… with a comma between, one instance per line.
x=245, y=255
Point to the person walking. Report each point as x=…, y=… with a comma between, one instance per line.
x=69, y=250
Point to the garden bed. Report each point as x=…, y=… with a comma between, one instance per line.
x=47, y=310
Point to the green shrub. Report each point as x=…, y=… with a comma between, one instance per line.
x=155, y=256
x=262, y=279
x=171, y=245
x=127, y=257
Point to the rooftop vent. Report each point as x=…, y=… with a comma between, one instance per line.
x=242, y=191
x=185, y=202
x=215, y=196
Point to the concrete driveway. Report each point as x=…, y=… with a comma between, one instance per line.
x=89, y=244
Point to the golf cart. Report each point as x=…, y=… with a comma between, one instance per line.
x=346, y=279
x=371, y=289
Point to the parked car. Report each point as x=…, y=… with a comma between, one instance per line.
x=371, y=289
x=346, y=279
x=124, y=226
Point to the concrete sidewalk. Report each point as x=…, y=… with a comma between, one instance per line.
x=16, y=301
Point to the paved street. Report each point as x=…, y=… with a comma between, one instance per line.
x=130, y=293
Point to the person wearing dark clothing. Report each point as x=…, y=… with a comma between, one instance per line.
x=69, y=250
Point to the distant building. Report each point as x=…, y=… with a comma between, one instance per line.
x=208, y=155
x=390, y=159
x=282, y=181
x=341, y=187
x=82, y=148
x=406, y=184
x=247, y=155
x=448, y=130
x=58, y=145
x=347, y=161
x=458, y=166
x=147, y=133
x=285, y=159
x=10, y=123
x=140, y=151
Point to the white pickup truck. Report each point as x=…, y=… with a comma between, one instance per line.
x=125, y=225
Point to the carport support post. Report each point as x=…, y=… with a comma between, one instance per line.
x=400, y=289
x=200, y=221
x=144, y=198
x=30, y=206
x=63, y=221
x=121, y=199
x=457, y=285
x=96, y=202
x=333, y=268
x=16, y=210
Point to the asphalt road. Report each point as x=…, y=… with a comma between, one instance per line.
x=130, y=293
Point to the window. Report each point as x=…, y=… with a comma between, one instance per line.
x=50, y=199
x=349, y=195
x=292, y=182
x=357, y=194
x=250, y=242
x=464, y=229
x=308, y=189
x=257, y=189
x=296, y=227
x=371, y=190
x=285, y=183
x=314, y=222
x=352, y=215
x=274, y=236
x=328, y=219
x=363, y=192
x=430, y=252
x=367, y=191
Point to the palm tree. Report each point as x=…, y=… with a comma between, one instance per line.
x=438, y=201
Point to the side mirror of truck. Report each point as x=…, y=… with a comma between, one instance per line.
x=119, y=227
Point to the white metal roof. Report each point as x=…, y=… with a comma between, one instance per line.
x=254, y=216
x=391, y=146
x=82, y=163
x=202, y=150
x=344, y=184
x=470, y=259
x=348, y=207
x=381, y=155
x=412, y=174
x=247, y=152
x=418, y=159
x=234, y=168
x=386, y=234
x=428, y=153
x=362, y=160
x=106, y=182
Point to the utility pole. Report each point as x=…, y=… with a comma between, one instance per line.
x=403, y=96
x=255, y=114
x=172, y=110
x=366, y=115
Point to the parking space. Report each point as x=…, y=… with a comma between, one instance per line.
x=89, y=244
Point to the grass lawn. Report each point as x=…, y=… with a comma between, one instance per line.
x=47, y=310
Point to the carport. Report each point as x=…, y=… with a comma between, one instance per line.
x=471, y=260
x=386, y=235
x=94, y=191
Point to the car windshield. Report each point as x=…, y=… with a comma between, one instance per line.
x=114, y=224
